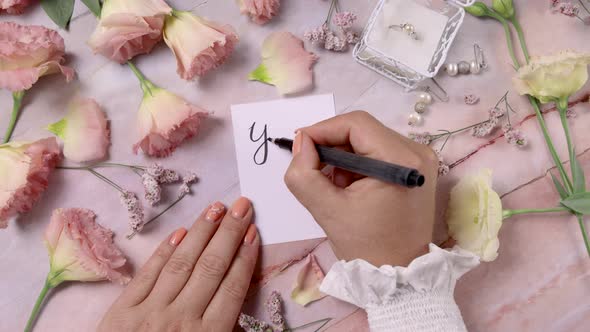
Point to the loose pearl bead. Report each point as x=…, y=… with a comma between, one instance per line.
x=415, y=119
x=463, y=67
x=425, y=97
x=420, y=107
x=452, y=69
x=474, y=67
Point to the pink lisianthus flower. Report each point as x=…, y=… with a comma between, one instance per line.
x=14, y=7
x=84, y=131
x=28, y=52
x=285, y=64
x=128, y=28
x=24, y=173
x=82, y=250
x=260, y=11
x=165, y=120
x=198, y=44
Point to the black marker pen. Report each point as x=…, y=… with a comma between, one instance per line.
x=351, y=162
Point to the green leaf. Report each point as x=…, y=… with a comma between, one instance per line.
x=94, y=6
x=579, y=203
x=578, y=175
x=562, y=192
x=59, y=11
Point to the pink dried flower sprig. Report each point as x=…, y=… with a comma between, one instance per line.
x=152, y=177
x=481, y=129
x=338, y=39
x=570, y=9
x=274, y=308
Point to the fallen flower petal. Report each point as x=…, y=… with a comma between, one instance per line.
x=198, y=44
x=84, y=131
x=165, y=121
x=285, y=64
x=128, y=28
x=307, y=285
x=260, y=11
x=24, y=174
x=28, y=52
x=82, y=250
x=14, y=7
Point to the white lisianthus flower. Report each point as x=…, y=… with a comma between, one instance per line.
x=474, y=215
x=553, y=78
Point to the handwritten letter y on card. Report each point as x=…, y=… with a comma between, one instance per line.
x=262, y=165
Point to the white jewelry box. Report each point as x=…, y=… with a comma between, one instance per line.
x=394, y=53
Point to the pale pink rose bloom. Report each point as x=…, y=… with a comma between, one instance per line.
x=285, y=64
x=307, y=284
x=198, y=44
x=260, y=11
x=165, y=121
x=82, y=250
x=28, y=52
x=84, y=131
x=14, y=7
x=24, y=173
x=128, y=28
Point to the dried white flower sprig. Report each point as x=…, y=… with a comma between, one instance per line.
x=152, y=178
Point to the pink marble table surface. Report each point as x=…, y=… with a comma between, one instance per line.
x=540, y=281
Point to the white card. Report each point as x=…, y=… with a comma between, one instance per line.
x=261, y=166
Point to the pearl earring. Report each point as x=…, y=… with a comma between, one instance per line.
x=472, y=67
x=425, y=99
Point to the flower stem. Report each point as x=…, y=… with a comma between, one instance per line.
x=130, y=236
x=509, y=213
x=584, y=6
x=521, y=39
x=562, y=106
x=550, y=146
x=146, y=85
x=584, y=233
x=323, y=321
x=37, y=307
x=17, y=99
x=332, y=6
x=508, y=37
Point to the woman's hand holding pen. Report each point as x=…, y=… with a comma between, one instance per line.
x=364, y=217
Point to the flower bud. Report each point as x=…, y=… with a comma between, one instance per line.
x=504, y=7
x=477, y=9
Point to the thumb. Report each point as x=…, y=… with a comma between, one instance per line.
x=306, y=181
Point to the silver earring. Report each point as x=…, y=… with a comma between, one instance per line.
x=408, y=28
x=472, y=67
x=425, y=99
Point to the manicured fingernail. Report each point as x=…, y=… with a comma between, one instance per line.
x=177, y=237
x=240, y=208
x=250, y=235
x=297, y=143
x=215, y=212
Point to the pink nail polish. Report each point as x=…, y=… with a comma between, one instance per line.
x=250, y=235
x=297, y=143
x=215, y=212
x=177, y=237
x=240, y=208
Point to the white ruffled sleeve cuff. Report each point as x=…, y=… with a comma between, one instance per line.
x=414, y=298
